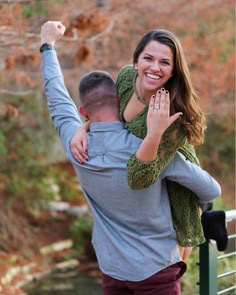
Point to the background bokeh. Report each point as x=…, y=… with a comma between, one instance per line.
x=100, y=34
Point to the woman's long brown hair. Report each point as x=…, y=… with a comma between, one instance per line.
x=183, y=96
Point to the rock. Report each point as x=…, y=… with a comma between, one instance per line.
x=62, y=245
x=66, y=266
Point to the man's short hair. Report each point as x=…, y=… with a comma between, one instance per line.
x=97, y=88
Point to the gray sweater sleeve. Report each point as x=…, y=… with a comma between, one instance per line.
x=61, y=107
x=193, y=177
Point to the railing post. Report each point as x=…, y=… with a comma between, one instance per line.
x=208, y=269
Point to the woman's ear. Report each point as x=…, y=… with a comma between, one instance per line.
x=82, y=112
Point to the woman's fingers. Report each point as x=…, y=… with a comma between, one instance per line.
x=152, y=102
x=159, y=119
x=174, y=117
x=79, y=152
x=162, y=100
x=167, y=103
x=157, y=100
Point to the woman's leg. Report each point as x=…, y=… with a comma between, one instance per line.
x=184, y=252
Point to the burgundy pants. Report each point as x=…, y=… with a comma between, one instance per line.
x=164, y=282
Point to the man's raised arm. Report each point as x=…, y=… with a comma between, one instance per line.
x=61, y=106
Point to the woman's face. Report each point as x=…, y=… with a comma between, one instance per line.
x=155, y=66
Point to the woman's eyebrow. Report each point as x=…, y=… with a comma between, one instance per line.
x=166, y=59
x=163, y=58
x=146, y=53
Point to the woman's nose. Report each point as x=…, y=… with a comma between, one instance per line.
x=155, y=66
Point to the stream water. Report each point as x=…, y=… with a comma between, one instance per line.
x=73, y=283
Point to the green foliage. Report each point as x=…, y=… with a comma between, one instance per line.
x=26, y=146
x=220, y=205
x=52, y=2
x=34, y=9
x=215, y=23
x=81, y=232
x=25, y=150
x=39, y=7
x=70, y=190
x=227, y=48
x=191, y=277
x=2, y=144
x=226, y=265
x=218, y=150
x=60, y=185
x=12, y=260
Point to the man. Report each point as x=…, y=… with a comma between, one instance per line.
x=133, y=234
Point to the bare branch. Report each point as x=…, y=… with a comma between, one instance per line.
x=14, y=1
x=18, y=93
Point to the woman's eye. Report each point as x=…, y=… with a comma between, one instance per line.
x=165, y=63
x=147, y=58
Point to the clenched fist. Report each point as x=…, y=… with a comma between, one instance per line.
x=51, y=31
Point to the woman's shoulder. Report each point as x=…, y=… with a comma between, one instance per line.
x=124, y=84
x=126, y=72
x=127, y=68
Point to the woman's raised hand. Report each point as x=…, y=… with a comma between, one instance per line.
x=158, y=118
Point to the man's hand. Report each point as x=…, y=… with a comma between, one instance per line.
x=51, y=31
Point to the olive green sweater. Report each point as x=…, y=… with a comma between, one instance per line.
x=184, y=203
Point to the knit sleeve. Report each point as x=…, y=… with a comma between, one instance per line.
x=124, y=86
x=143, y=174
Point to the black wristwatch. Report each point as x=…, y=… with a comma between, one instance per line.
x=45, y=46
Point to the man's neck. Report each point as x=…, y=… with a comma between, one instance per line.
x=104, y=119
x=104, y=116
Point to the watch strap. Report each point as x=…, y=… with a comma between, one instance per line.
x=45, y=46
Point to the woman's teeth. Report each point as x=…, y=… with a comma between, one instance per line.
x=154, y=77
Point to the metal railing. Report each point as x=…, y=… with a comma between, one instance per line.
x=210, y=278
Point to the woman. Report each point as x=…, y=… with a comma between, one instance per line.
x=158, y=64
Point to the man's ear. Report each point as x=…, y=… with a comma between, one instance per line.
x=82, y=112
